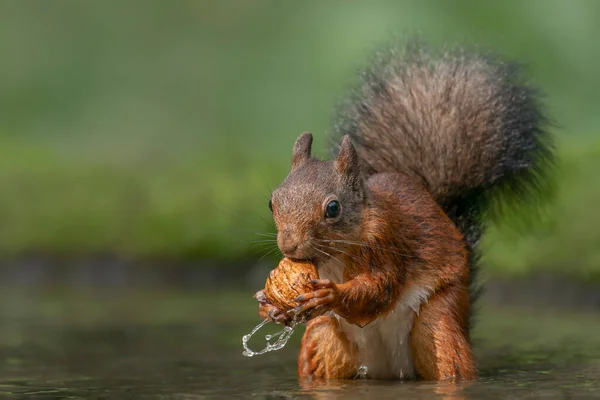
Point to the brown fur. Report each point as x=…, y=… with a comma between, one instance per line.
x=436, y=136
x=407, y=239
x=393, y=236
x=418, y=246
x=440, y=336
x=467, y=124
x=459, y=122
x=326, y=352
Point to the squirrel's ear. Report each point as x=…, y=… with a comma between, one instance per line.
x=347, y=161
x=302, y=149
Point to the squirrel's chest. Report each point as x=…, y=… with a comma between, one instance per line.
x=384, y=344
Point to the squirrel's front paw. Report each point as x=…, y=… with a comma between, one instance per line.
x=266, y=310
x=324, y=297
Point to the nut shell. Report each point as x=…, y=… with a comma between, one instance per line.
x=289, y=280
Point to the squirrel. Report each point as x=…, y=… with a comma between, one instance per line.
x=431, y=140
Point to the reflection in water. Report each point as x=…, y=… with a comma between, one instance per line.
x=187, y=345
x=451, y=390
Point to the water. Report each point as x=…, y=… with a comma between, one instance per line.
x=168, y=344
x=281, y=338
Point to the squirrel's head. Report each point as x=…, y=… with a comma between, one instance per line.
x=319, y=206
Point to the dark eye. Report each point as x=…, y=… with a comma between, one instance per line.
x=271, y=205
x=333, y=209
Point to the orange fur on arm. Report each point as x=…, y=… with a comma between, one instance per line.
x=367, y=296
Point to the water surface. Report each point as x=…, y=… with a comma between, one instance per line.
x=58, y=344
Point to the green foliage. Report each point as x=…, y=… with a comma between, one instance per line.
x=62, y=207
x=566, y=239
x=70, y=207
x=159, y=130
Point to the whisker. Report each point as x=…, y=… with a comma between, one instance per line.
x=327, y=254
x=267, y=234
x=244, y=231
x=268, y=223
x=253, y=246
x=261, y=241
x=352, y=257
x=362, y=244
x=268, y=240
x=275, y=249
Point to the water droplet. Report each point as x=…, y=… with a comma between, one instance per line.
x=282, y=338
x=362, y=372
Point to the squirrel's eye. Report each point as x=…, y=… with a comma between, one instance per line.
x=333, y=209
x=271, y=205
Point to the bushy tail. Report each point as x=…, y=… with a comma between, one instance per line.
x=465, y=124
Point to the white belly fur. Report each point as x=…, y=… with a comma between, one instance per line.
x=384, y=344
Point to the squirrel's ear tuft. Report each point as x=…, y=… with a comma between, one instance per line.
x=347, y=161
x=302, y=149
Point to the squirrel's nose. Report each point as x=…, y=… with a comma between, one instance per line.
x=286, y=243
x=288, y=248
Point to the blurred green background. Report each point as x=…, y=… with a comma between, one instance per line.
x=154, y=130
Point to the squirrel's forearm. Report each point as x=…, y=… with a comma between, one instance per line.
x=367, y=297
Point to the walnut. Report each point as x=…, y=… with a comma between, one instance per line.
x=289, y=280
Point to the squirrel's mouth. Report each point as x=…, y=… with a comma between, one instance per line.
x=316, y=261
x=306, y=254
x=300, y=255
x=299, y=260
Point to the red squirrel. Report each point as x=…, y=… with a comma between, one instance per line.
x=429, y=140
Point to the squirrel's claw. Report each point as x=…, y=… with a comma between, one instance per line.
x=308, y=308
x=260, y=296
x=272, y=313
x=320, y=293
x=324, y=298
x=323, y=284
